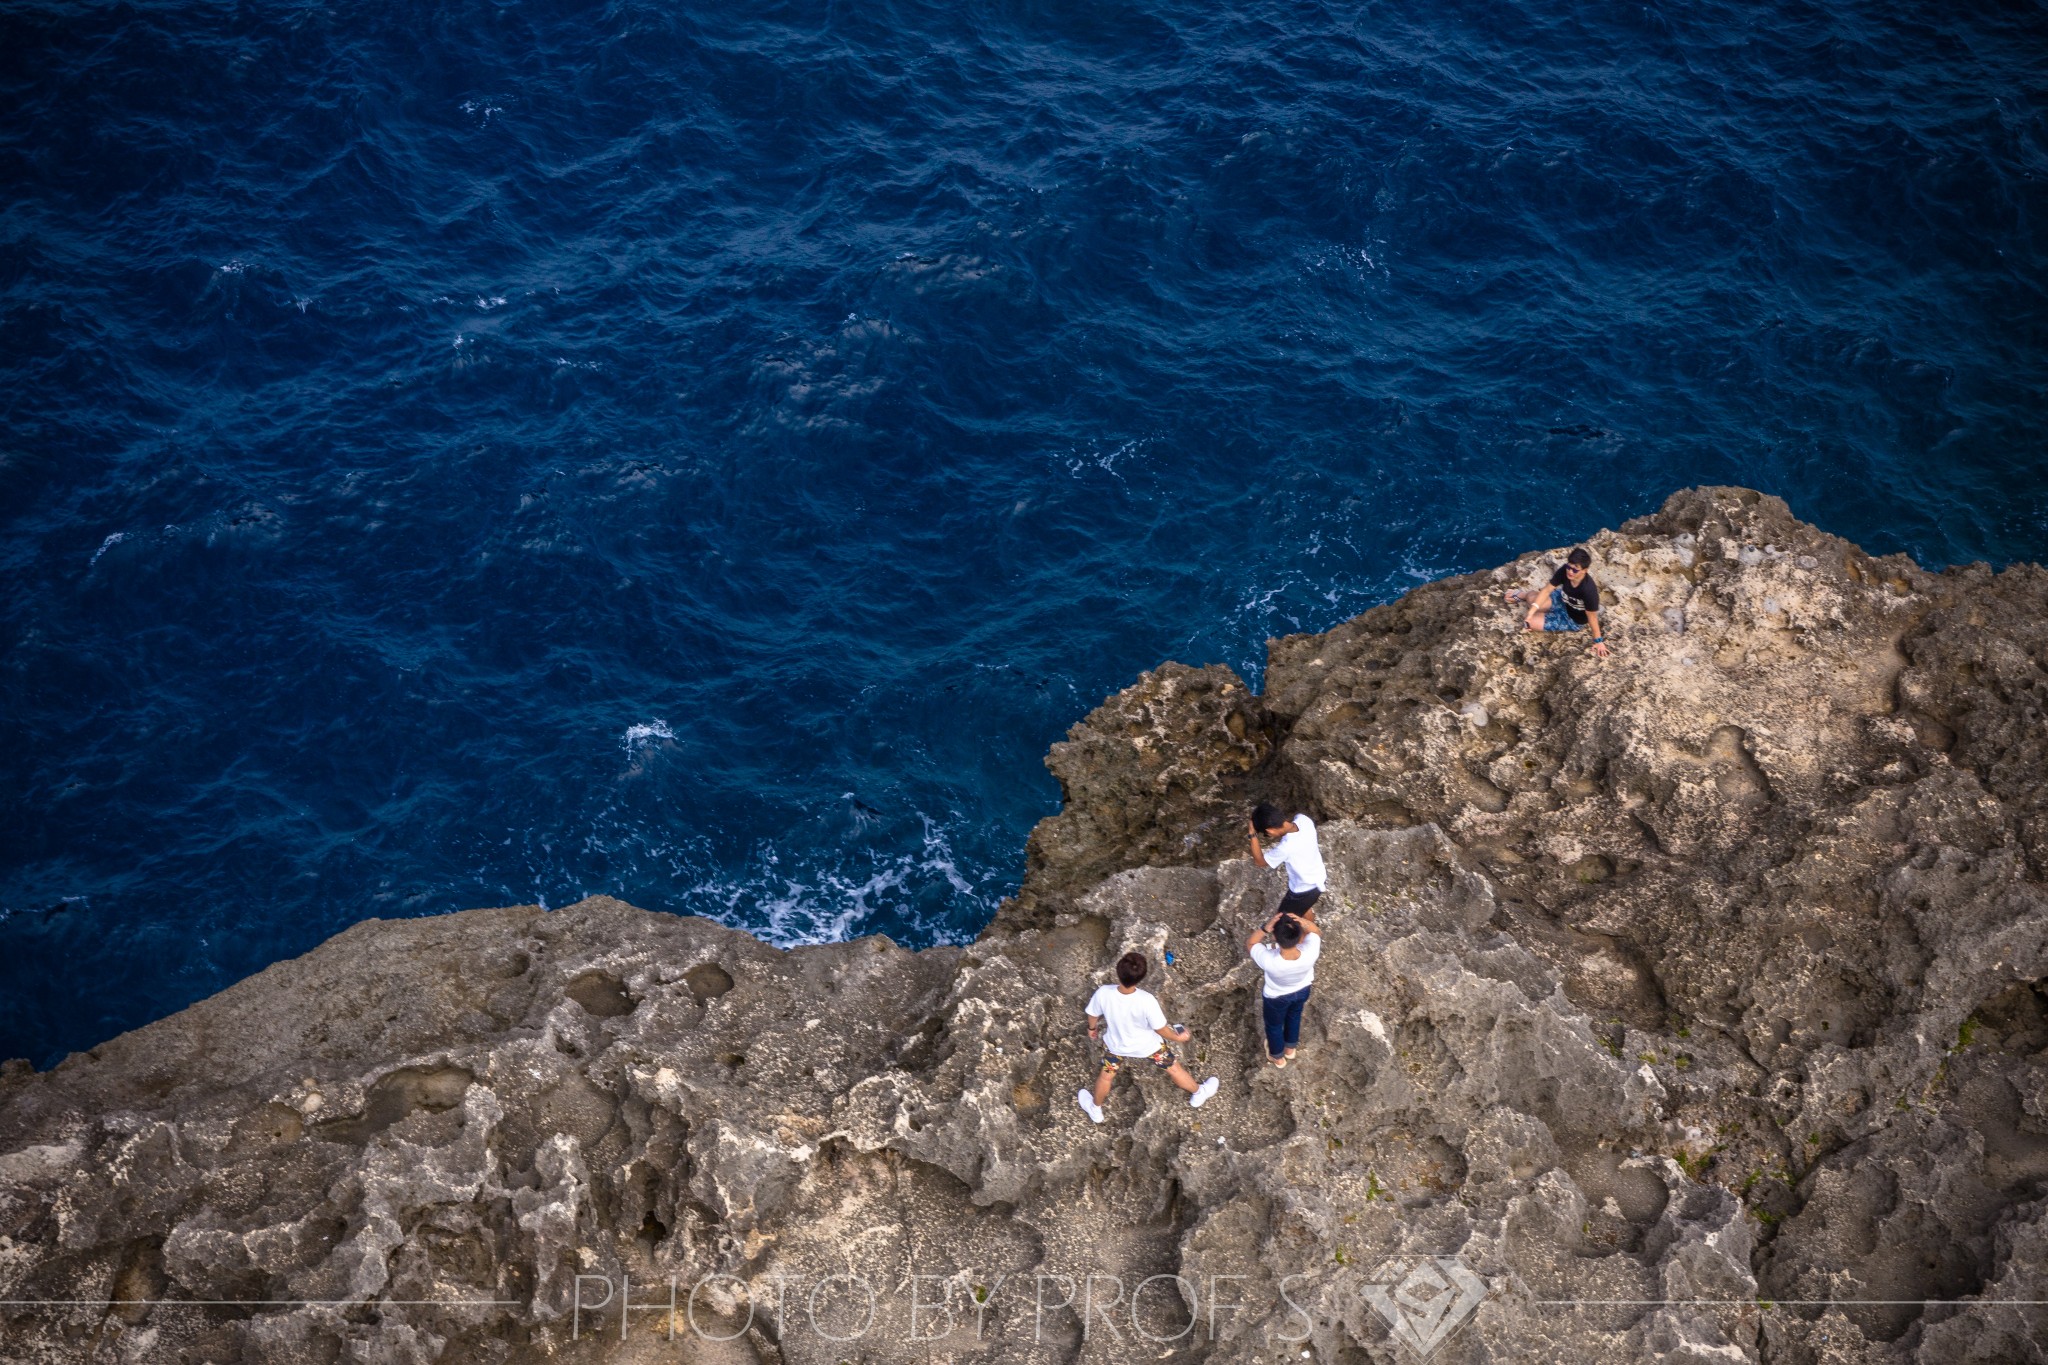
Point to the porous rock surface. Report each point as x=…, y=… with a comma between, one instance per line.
x=1692, y=1004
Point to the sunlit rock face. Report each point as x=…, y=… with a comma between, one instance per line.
x=1654, y=988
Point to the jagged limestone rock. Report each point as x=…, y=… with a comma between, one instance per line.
x=1712, y=973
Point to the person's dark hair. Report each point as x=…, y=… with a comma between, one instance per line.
x=1267, y=816
x=1580, y=558
x=1287, y=932
x=1130, y=969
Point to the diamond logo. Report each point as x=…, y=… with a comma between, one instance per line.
x=1429, y=1303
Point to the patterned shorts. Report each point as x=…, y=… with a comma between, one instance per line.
x=1557, y=618
x=1161, y=1059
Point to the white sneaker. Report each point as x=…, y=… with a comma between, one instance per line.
x=1088, y=1105
x=1203, y=1092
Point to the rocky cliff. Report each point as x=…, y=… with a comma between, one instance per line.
x=1688, y=1005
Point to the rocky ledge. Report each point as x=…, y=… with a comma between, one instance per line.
x=1690, y=1005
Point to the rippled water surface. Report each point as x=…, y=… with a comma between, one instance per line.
x=475, y=453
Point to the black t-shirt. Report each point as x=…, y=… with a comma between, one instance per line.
x=1577, y=601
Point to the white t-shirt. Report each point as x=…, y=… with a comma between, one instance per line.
x=1131, y=1023
x=1284, y=977
x=1303, y=859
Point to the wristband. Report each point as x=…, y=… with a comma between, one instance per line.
x=1599, y=639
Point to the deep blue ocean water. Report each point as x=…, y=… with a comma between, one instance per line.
x=479, y=453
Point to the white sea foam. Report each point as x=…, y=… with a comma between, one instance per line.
x=812, y=904
x=939, y=858
x=109, y=543
x=827, y=911
x=1100, y=454
x=787, y=890
x=1354, y=262
x=649, y=732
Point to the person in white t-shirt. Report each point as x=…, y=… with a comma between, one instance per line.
x=1295, y=848
x=1289, y=963
x=1135, y=1024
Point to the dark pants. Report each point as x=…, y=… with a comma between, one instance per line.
x=1294, y=902
x=1283, y=1020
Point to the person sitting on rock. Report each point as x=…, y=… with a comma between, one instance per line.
x=1295, y=848
x=1289, y=963
x=1135, y=1024
x=1571, y=601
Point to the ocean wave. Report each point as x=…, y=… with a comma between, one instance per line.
x=790, y=900
x=647, y=732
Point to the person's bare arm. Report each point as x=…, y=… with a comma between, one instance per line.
x=1258, y=854
x=1172, y=1035
x=1094, y=1025
x=1599, y=635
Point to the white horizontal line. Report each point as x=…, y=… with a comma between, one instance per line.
x=521, y=1303
x=1789, y=1303
x=264, y=1303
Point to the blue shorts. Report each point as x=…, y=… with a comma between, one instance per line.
x=1557, y=618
